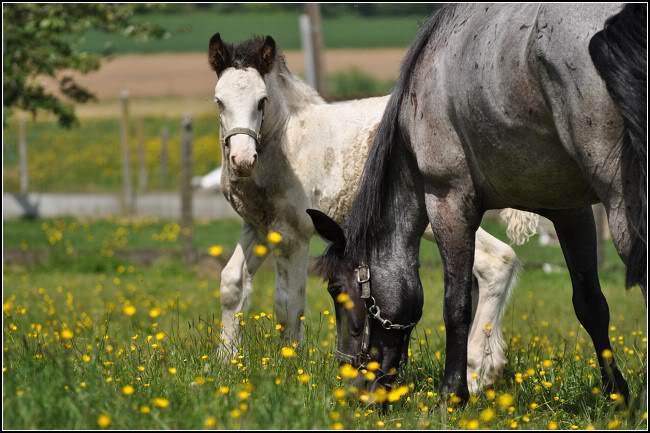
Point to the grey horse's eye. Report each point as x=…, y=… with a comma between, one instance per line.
x=334, y=289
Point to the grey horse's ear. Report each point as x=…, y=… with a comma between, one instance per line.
x=219, y=56
x=327, y=228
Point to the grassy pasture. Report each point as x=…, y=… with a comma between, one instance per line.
x=127, y=346
x=189, y=31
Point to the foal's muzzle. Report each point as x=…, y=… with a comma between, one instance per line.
x=242, y=155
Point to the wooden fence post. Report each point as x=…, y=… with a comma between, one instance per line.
x=313, y=12
x=127, y=189
x=142, y=170
x=164, y=158
x=23, y=167
x=186, y=188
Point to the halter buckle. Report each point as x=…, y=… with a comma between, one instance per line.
x=363, y=274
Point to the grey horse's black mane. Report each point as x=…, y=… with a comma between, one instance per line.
x=369, y=211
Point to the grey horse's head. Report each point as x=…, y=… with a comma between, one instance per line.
x=374, y=317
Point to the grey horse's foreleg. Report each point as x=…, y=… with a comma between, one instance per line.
x=454, y=221
x=495, y=273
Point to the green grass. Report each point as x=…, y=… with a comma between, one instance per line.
x=50, y=382
x=191, y=31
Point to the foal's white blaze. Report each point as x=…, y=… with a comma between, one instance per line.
x=239, y=92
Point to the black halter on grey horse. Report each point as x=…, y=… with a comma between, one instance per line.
x=535, y=107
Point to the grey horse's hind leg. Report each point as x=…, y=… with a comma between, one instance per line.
x=576, y=231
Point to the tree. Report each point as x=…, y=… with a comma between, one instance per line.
x=39, y=40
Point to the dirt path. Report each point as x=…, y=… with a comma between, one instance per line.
x=188, y=75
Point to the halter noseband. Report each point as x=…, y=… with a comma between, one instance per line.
x=362, y=357
x=255, y=135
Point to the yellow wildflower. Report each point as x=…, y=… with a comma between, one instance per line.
x=346, y=371
x=288, y=352
x=215, y=250
x=260, y=250
x=129, y=310
x=487, y=414
x=505, y=401
x=210, y=422
x=160, y=402
x=274, y=237
x=104, y=421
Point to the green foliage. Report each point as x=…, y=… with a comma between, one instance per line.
x=355, y=84
x=88, y=158
x=37, y=42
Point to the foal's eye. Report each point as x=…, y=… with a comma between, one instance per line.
x=219, y=103
x=262, y=103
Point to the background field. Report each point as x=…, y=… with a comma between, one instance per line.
x=190, y=31
x=86, y=285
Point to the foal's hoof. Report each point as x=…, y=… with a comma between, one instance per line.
x=224, y=353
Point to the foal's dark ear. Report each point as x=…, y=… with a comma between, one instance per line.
x=267, y=54
x=218, y=54
x=327, y=228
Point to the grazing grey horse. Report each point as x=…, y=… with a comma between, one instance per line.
x=285, y=150
x=535, y=107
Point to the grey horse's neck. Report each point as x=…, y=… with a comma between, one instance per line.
x=403, y=217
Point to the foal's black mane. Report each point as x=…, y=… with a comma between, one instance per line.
x=369, y=211
x=245, y=54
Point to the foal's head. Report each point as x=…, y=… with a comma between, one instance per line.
x=241, y=94
x=377, y=306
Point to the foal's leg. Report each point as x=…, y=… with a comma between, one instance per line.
x=236, y=286
x=454, y=221
x=576, y=231
x=495, y=268
x=291, y=261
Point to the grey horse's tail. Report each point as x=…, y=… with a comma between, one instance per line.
x=620, y=56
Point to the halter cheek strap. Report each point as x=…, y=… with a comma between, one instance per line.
x=362, y=357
